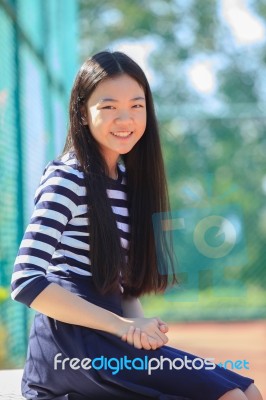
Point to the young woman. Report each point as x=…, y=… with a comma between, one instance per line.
x=89, y=252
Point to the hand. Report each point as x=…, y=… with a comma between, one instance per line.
x=146, y=333
x=162, y=325
x=139, y=339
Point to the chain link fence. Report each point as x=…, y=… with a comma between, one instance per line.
x=38, y=42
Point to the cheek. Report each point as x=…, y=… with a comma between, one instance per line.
x=94, y=117
x=96, y=121
x=142, y=121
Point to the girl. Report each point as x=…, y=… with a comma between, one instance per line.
x=89, y=252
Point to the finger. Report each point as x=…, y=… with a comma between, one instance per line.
x=160, y=334
x=124, y=337
x=161, y=337
x=163, y=328
x=130, y=334
x=154, y=332
x=162, y=323
x=159, y=341
x=153, y=343
x=144, y=341
x=136, y=339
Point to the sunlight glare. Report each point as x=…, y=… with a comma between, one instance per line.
x=246, y=27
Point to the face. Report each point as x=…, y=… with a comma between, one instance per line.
x=116, y=116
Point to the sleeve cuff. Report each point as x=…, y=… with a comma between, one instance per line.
x=32, y=290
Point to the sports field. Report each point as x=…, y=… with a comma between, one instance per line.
x=226, y=341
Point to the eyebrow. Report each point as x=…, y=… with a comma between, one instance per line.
x=109, y=99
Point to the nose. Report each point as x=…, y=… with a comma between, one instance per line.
x=124, y=116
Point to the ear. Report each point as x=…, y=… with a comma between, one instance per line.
x=84, y=120
x=83, y=115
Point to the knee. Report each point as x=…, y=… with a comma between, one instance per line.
x=235, y=394
x=253, y=393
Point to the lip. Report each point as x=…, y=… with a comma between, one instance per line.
x=122, y=134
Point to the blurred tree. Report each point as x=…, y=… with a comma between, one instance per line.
x=212, y=123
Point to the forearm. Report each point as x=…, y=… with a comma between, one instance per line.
x=132, y=307
x=62, y=305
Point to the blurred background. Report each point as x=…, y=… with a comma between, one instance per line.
x=206, y=63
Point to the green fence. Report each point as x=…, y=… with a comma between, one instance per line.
x=38, y=57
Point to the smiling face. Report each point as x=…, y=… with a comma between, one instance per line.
x=116, y=116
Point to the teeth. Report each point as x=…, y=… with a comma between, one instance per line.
x=121, y=134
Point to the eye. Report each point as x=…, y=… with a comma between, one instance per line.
x=138, y=106
x=108, y=108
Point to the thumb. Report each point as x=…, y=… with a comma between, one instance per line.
x=162, y=325
x=163, y=328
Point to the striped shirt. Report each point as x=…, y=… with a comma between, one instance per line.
x=57, y=239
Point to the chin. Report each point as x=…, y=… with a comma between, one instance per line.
x=122, y=152
x=126, y=150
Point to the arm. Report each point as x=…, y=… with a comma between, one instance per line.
x=132, y=307
x=62, y=305
x=56, y=202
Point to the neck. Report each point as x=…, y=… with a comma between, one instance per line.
x=113, y=173
x=112, y=168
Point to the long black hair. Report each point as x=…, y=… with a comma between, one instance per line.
x=147, y=267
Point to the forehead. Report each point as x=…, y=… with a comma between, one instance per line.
x=118, y=86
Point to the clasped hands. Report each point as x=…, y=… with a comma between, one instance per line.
x=146, y=333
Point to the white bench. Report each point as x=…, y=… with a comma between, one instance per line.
x=10, y=381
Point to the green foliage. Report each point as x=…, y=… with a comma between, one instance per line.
x=222, y=304
x=4, y=294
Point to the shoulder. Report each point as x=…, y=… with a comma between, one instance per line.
x=61, y=175
x=66, y=166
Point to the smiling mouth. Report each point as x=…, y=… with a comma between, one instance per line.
x=122, y=135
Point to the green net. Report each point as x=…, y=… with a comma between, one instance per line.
x=37, y=66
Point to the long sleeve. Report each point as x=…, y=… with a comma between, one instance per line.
x=56, y=202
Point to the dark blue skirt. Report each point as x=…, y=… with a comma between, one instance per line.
x=71, y=362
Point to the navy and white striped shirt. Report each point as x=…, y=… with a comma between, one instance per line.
x=56, y=239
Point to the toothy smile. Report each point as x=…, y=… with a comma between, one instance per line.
x=122, y=134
